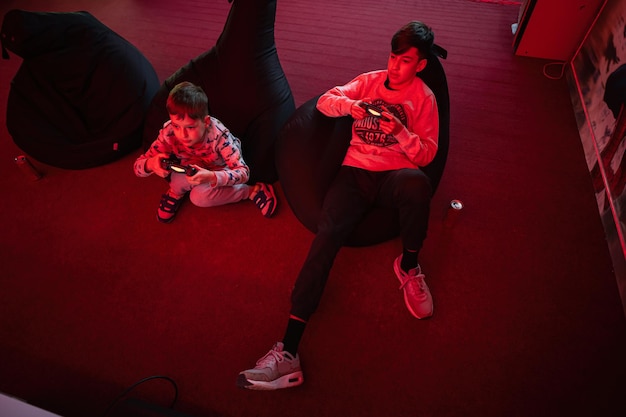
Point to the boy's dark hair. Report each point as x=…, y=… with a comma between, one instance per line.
x=415, y=34
x=187, y=99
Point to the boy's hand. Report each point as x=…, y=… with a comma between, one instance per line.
x=202, y=176
x=390, y=124
x=153, y=164
x=357, y=111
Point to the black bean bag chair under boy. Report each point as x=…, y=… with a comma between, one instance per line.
x=81, y=93
x=311, y=148
x=245, y=84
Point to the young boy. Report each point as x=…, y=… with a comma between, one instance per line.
x=382, y=166
x=205, y=159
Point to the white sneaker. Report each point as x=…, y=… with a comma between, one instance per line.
x=277, y=369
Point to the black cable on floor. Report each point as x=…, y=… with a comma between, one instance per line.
x=132, y=387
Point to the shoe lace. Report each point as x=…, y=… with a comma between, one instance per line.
x=270, y=358
x=414, y=278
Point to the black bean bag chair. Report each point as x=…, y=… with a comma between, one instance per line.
x=245, y=84
x=311, y=148
x=80, y=95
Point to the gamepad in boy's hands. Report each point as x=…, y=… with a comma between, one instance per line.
x=186, y=169
x=173, y=164
x=375, y=111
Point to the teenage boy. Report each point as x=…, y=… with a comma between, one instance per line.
x=390, y=142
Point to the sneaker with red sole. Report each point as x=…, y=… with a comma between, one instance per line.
x=265, y=199
x=168, y=207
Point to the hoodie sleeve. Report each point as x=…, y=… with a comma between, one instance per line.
x=420, y=144
x=229, y=148
x=338, y=101
x=160, y=145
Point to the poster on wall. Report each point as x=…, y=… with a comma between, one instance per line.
x=598, y=78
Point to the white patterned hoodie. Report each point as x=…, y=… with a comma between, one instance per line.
x=220, y=152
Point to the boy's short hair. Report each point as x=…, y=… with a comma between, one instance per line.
x=188, y=99
x=415, y=34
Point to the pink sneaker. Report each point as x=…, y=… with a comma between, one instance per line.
x=416, y=293
x=277, y=369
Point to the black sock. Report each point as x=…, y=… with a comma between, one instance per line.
x=409, y=260
x=293, y=334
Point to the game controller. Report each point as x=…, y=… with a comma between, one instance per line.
x=375, y=111
x=173, y=164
